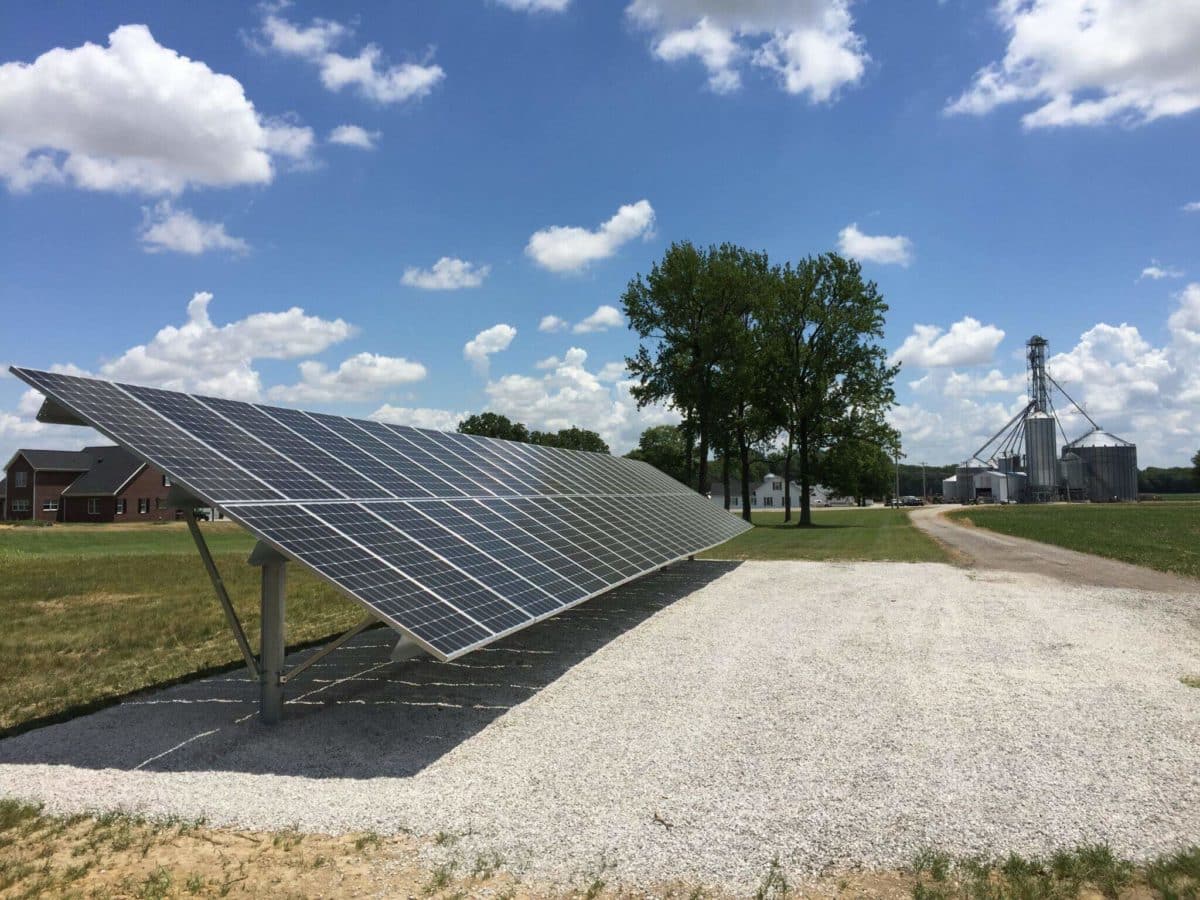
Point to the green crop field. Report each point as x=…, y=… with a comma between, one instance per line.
x=96, y=611
x=1164, y=536
x=842, y=534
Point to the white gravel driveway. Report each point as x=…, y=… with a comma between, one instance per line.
x=700, y=721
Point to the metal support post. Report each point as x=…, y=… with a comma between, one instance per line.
x=219, y=588
x=271, y=647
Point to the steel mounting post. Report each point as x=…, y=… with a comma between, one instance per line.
x=271, y=642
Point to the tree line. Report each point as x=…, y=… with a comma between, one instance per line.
x=752, y=353
x=490, y=424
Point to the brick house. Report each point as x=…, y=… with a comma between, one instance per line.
x=95, y=484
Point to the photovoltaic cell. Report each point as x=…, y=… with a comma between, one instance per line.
x=454, y=540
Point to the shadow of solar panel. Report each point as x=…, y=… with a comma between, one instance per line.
x=453, y=540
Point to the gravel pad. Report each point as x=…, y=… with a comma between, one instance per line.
x=698, y=722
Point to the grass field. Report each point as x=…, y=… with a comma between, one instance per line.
x=94, y=612
x=846, y=534
x=1163, y=536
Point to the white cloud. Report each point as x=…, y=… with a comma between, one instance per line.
x=419, y=417
x=810, y=45
x=367, y=71
x=167, y=228
x=1088, y=62
x=1144, y=393
x=1192, y=207
x=611, y=372
x=712, y=45
x=447, y=274
x=479, y=349
x=571, y=395
x=1158, y=272
x=967, y=343
x=562, y=248
x=602, y=319
x=218, y=359
x=134, y=116
x=354, y=136
x=357, y=378
x=553, y=323
x=880, y=248
x=535, y=5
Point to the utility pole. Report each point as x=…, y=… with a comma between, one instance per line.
x=896, y=496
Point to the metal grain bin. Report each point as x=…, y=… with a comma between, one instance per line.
x=1041, y=454
x=1109, y=465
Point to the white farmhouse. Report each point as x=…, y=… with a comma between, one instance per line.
x=769, y=495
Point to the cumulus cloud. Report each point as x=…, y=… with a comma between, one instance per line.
x=880, y=248
x=967, y=343
x=562, y=248
x=604, y=318
x=479, y=349
x=134, y=116
x=1082, y=62
x=218, y=359
x=165, y=228
x=568, y=394
x=447, y=274
x=535, y=5
x=354, y=136
x=419, y=417
x=553, y=323
x=1158, y=272
x=1192, y=207
x=809, y=45
x=357, y=378
x=367, y=72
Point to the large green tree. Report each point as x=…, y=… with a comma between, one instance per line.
x=573, y=438
x=1196, y=467
x=824, y=323
x=664, y=447
x=685, y=311
x=490, y=424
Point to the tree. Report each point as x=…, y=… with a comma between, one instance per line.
x=823, y=322
x=573, y=438
x=1196, y=468
x=860, y=466
x=665, y=448
x=685, y=312
x=490, y=424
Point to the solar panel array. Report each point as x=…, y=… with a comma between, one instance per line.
x=454, y=540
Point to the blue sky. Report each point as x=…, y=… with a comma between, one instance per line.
x=1000, y=170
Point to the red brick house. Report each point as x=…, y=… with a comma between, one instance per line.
x=95, y=484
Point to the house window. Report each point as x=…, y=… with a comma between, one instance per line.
x=50, y=505
x=768, y=501
x=20, y=479
x=754, y=500
x=121, y=507
x=166, y=481
x=20, y=506
x=93, y=506
x=143, y=505
x=778, y=486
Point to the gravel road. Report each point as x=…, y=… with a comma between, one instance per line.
x=986, y=549
x=698, y=722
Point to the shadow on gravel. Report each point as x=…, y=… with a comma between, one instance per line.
x=356, y=714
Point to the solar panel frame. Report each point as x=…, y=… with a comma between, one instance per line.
x=425, y=522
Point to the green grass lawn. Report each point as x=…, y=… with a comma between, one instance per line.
x=1164, y=536
x=848, y=534
x=94, y=612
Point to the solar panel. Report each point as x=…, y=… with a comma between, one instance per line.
x=454, y=540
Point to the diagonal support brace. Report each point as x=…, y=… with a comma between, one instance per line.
x=222, y=594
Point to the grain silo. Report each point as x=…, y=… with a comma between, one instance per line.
x=1109, y=465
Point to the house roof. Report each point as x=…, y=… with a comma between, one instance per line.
x=111, y=469
x=57, y=460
